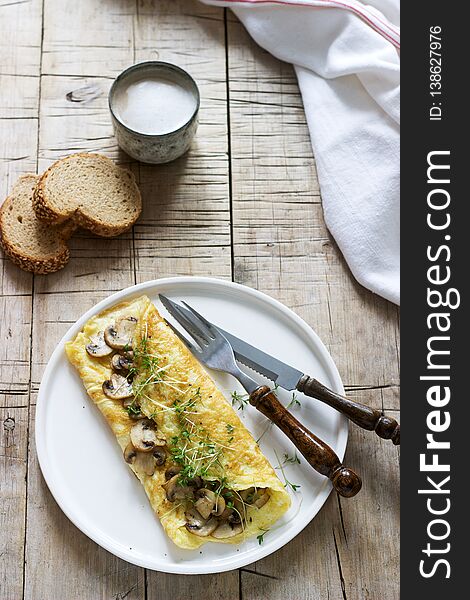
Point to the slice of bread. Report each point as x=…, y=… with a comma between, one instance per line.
x=30, y=244
x=90, y=190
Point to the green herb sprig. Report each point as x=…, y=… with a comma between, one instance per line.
x=294, y=401
x=239, y=399
x=260, y=537
x=287, y=484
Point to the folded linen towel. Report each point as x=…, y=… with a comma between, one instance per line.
x=345, y=54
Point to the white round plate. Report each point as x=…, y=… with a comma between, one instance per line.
x=83, y=465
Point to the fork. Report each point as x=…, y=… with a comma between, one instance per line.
x=214, y=350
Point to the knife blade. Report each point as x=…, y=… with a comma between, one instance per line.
x=289, y=378
x=274, y=369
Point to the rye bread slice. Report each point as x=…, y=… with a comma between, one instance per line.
x=91, y=191
x=29, y=243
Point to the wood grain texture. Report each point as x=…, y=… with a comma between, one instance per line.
x=20, y=42
x=20, y=57
x=97, y=268
x=13, y=459
x=243, y=204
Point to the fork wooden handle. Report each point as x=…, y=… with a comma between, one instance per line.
x=318, y=454
x=364, y=416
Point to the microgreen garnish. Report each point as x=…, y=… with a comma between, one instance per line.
x=133, y=410
x=240, y=399
x=230, y=429
x=287, y=484
x=294, y=401
x=291, y=459
x=260, y=537
x=265, y=430
x=191, y=447
x=147, y=370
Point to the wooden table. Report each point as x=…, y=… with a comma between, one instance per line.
x=244, y=204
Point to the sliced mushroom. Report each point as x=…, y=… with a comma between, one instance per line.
x=117, y=387
x=159, y=455
x=205, y=503
x=235, y=517
x=219, y=506
x=121, y=363
x=208, y=503
x=247, y=495
x=119, y=335
x=198, y=525
x=129, y=453
x=144, y=462
x=172, y=471
x=262, y=498
x=98, y=347
x=144, y=435
x=239, y=507
x=227, y=530
x=231, y=515
x=176, y=491
x=226, y=514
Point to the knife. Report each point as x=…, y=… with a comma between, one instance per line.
x=289, y=378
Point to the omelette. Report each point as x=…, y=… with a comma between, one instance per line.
x=204, y=474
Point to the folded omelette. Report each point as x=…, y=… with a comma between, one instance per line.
x=201, y=469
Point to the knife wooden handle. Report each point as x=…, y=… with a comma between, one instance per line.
x=318, y=454
x=364, y=416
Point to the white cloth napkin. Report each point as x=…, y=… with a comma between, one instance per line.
x=346, y=58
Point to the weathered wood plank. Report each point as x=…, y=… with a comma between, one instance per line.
x=13, y=450
x=220, y=586
x=87, y=38
x=97, y=268
x=19, y=97
x=17, y=151
x=68, y=127
x=15, y=319
x=20, y=40
x=281, y=246
x=20, y=55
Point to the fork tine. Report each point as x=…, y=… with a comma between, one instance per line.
x=187, y=324
x=183, y=338
x=202, y=322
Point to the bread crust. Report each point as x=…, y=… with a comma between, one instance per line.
x=38, y=265
x=47, y=214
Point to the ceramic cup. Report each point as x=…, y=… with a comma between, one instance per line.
x=154, y=109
